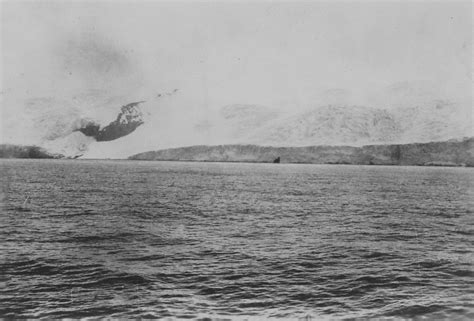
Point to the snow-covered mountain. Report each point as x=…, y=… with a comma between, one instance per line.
x=330, y=125
x=434, y=121
x=359, y=125
x=70, y=126
x=97, y=126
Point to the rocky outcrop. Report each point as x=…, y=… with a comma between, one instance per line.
x=21, y=151
x=449, y=153
x=129, y=118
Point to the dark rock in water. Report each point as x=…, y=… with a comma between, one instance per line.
x=20, y=151
x=129, y=118
x=276, y=160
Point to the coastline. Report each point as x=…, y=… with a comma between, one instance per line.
x=433, y=154
x=445, y=154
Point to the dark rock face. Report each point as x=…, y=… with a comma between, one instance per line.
x=90, y=130
x=129, y=118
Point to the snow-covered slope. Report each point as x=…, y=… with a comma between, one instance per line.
x=359, y=125
x=243, y=120
x=330, y=125
x=57, y=124
x=95, y=125
x=325, y=125
x=72, y=145
x=435, y=121
x=237, y=122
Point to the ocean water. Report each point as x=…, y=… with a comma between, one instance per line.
x=223, y=240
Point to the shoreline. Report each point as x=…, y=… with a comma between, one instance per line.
x=442, y=154
x=433, y=154
x=230, y=162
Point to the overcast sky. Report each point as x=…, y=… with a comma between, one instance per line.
x=270, y=53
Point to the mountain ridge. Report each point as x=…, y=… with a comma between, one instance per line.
x=90, y=124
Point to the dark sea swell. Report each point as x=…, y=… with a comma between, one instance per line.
x=193, y=240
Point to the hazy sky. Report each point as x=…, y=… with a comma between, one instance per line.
x=263, y=52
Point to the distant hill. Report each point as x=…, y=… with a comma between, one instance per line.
x=448, y=153
x=18, y=151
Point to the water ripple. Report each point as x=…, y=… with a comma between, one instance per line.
x=204, y=241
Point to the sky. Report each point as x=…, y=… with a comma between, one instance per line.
x=278, y=54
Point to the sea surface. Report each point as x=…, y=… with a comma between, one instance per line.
x=234, y=241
